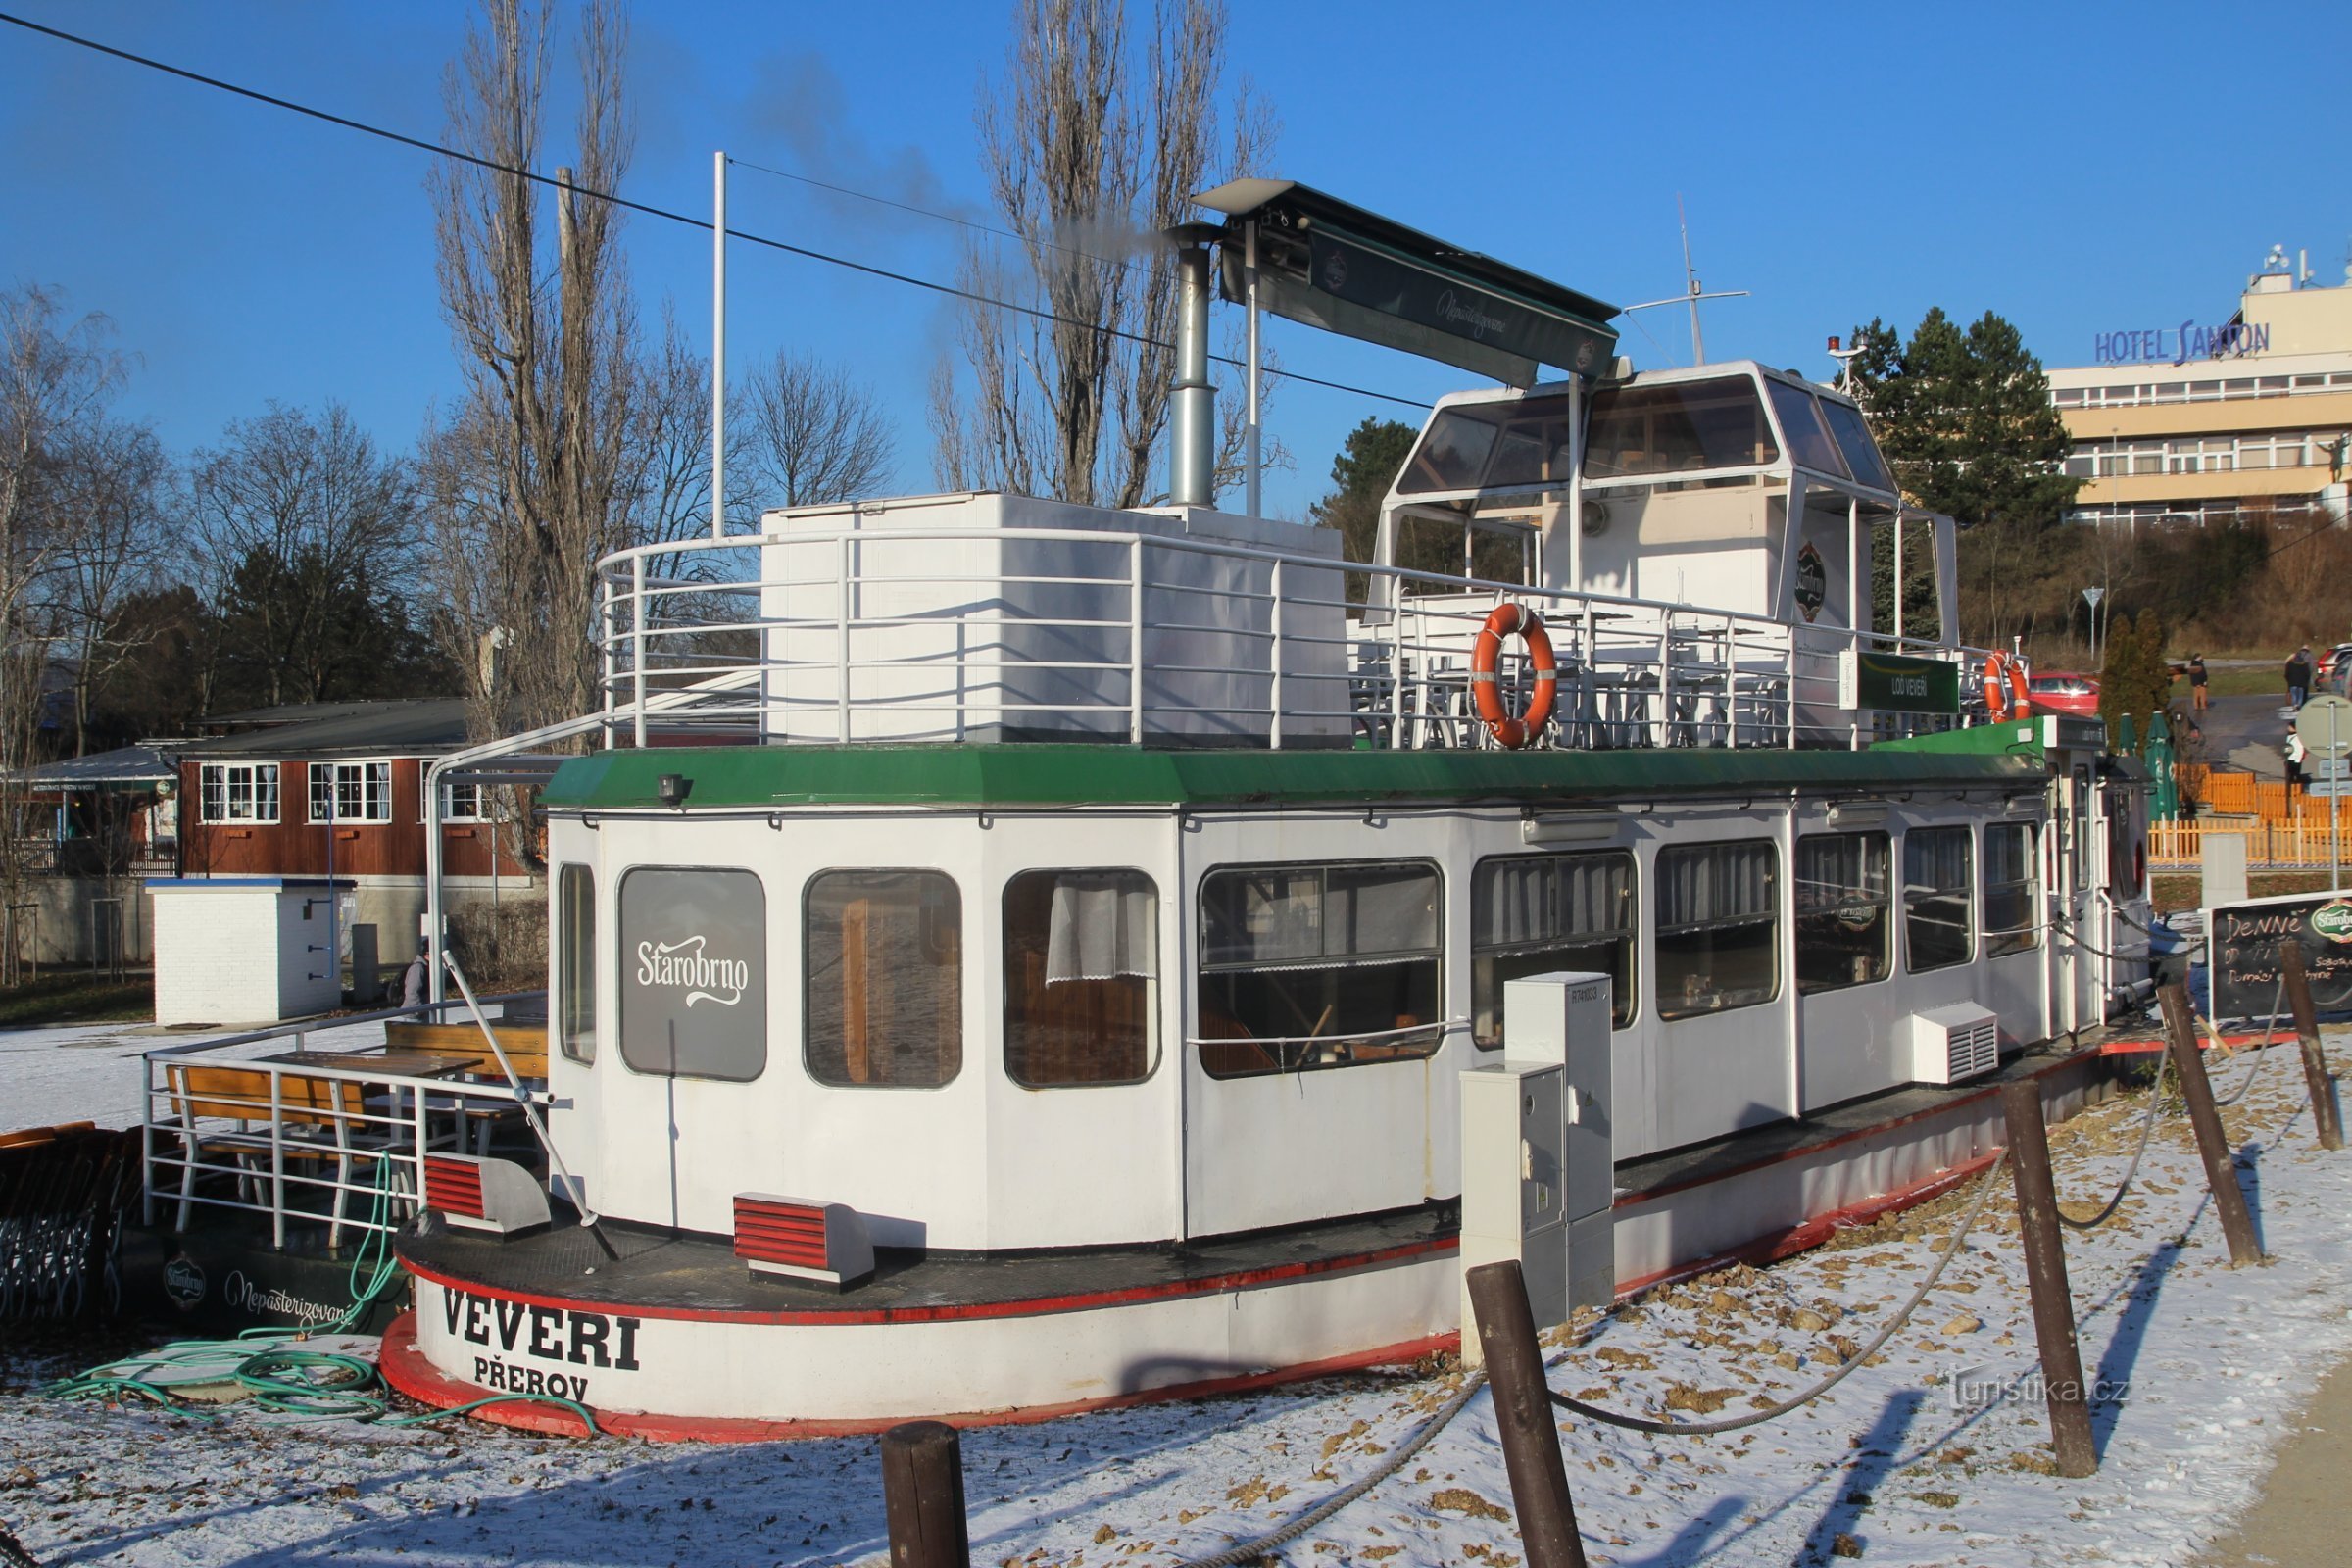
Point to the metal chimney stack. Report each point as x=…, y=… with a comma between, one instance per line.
x=1192, y=427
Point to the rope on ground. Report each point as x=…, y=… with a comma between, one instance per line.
x=2268, y=1026
x=1693, y=1429
x=2148, y=1131
x=1246, y=1551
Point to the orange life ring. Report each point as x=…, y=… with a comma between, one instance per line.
x=2005, y=690
x=1485, y=689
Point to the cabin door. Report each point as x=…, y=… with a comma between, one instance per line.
x=2079, y=974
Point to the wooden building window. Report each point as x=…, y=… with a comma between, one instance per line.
x=351, y=792
x=1939, y=894
x=1719, y=923
x=885, y=979
x=1538, y=913
x=1081, y=977
x=460, y=802
x=575, y=960
x=1313, y=966
x=238, y=792
x=1845, y=910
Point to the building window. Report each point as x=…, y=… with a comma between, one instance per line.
x=1536, y=914
x=1937, y=893
x=238, y=792
x=1081, y=977
x=694, y=972
x=1312, y=966
x=1718, y=927
x=884, y=953
x=1845, y=910
x=2011, y=924
x=352, y=792
x=575, y=958
x=460, y=802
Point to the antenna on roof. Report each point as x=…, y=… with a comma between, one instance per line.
x=1692, y=293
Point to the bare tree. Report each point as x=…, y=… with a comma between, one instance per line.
x=112, y=478
x=812, y=435
x=293, y=512
x=1092, y=151
x=531, y=481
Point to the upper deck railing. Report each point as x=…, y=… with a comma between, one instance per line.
x=959, y=633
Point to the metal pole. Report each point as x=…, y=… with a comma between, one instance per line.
x=2062, y=1390
x=1898, y=577
x=1576, y=495
x=1250, y=272
x=1530, y=1446
x=718, y=349
x=2324, y=1112
x=923, y=1496
x=2336, y=793
x=2221, y=1170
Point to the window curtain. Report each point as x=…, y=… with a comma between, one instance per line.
x=1101, y=926
x=1837, y=869
x=1714, y=884
x=1935, y=861
x=1516, y=901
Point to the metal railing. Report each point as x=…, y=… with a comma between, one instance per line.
x=960, y=633
x=304, y=1141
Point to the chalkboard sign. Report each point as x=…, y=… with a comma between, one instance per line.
x=2242, y=942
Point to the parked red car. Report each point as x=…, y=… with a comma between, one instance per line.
x=2065, y=691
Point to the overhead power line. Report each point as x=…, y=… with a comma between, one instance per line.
x=668, y=215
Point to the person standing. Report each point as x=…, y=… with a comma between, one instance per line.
x=416, y=984
x=2196, y=683
x=2298, y=677
x=2294, y=762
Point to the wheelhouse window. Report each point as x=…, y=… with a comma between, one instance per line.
x=1081, y=977
x=1937, y=896
x=351, y=792
x=694, y=972
x=1808, y=440
x=1536, y=914
x=884, y=961
x=1845, y=910
x=575, y=960
x=1639, y=431
x=2011, y=882
x=1313, y=966
x=238, y=792
x=1718, y=913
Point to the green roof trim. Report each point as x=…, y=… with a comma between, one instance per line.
x=1011, y=776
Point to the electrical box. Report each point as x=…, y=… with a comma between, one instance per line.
x=1539, y=1156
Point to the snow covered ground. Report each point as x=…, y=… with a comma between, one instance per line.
x=1892, y=1464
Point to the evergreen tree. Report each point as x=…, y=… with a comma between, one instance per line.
x=1368, y=462
x=2134, y=678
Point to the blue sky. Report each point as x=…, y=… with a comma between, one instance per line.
x=2074, y=167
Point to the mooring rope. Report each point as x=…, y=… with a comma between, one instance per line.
x=2270, y=1026
x=1692, y=1428
x=2148, y=1131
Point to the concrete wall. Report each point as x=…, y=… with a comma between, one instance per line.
x=58, y=932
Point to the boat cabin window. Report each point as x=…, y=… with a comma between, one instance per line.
x=1718, y=914
x=1845, y=910
x=1808, y=438
x=1313, y=966
x=575, y=962
x=1081, y=973
x=1538, y=913
x=884, y=961
x=1936, y=896
x=2125, y=860
x=1488, y=446
x=1853, y=439
x=2010, y=905
x=694, y=972
x=1679, y=427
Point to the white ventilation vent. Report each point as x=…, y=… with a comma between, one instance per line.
x=1950, y=1044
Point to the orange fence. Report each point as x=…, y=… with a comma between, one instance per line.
x=2302, y=843
x=2232, y=791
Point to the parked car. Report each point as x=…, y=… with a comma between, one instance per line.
x=2065, y=691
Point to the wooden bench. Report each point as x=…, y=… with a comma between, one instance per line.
x=525, y=1045
x=242, y=1095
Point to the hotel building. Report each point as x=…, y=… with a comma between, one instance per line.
x=2213, y=422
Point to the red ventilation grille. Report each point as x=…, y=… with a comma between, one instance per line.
x=453, y=1186
x=791, y=1234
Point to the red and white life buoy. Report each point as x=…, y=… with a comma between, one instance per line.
x=1485, y=689
x=2005, y=689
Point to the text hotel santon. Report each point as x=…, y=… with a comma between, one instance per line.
x=2188, y=341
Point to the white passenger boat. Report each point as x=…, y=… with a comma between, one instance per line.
x=1011, y=957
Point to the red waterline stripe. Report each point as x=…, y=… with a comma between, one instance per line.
x=1035, y=1306
x=2139, y=1043
x=404, y=1367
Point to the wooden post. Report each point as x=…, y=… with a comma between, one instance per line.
x=2062, y=1388
x=2220, y=1172
x=2325, y=1111
x=923, y=1496
x=1531, y=1445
